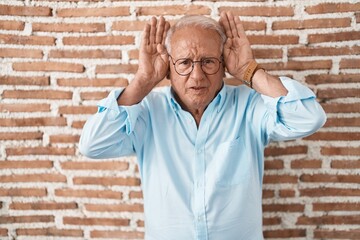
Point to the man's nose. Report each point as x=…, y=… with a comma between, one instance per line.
x=197, y=72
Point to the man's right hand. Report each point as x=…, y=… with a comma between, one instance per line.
x=153, y=57
x=153, y=62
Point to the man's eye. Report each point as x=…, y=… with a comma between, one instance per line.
x=207, y=61
x=184, y=62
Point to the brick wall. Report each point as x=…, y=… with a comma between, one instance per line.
x=58, y=58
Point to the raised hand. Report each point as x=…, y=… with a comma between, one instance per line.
x=153, y=57
x=237, y=50
x=153, y=63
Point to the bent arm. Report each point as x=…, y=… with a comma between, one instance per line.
x=295, y=115
x=114, y=131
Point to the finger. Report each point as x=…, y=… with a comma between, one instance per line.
x=152, y=30
x=166, y=29
x=226, y=25
x=160, y=30
x=232, y=25
x=145, y=35
x=240, y=27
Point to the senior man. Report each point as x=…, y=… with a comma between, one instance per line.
x=200, y=143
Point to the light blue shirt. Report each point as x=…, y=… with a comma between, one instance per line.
x=203, y=182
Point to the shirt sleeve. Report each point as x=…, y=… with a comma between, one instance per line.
x=295, y=115
x=114, y=131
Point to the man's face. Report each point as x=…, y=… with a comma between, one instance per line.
x=197, y=90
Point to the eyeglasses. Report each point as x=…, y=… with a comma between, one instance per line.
x=184, y=66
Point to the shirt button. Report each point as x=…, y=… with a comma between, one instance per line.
x=199, y=151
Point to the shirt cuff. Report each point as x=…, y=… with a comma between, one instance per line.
x=296, y=91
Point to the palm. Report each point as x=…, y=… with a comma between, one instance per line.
x=237, y=50
x=153, y=58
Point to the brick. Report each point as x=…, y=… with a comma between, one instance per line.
x=64, y=138
x=274, y=164
x=349, y=64
x=27, y=40
x=114, y=207
x=259, y=11
x=12, y=80
x=85, y=54
x=337, y=234
x=81, y=193
x=49, y=67
x=93, y=12
x=20, y=53
x=3, y=232
x=330, y=178
x=312, y=23
x=98, y=82
x=78, y=124
x=340, y=151
x=26, y=219
x=69, y=27
x=342, y=122
x=140, y=223
x=93, y=95
x=77, y=110
x=33, y=178
x=107, y=181
x=357, y=15
x=326, y=192
x=21, y=136
x=129, y=25
x=25, y=11
x=43, y=206
x=283, y=207
x=298, y=65
x=276, y=151
x=92, y=165
x=271, y=221
x=173, y=10
x=135, y=194
x=23, y=192
x=12, y=25
x=336, y=207
x=267, y=53
x=99, y=40
x=345, y=164
x=23, y=122
x=285, y=233
x=39, y=151
x=37, y=94
x=133, y=54
x=96, y=221
x=118, y=234
x=286, y=193
x=333, y=37
x=341, y=107
x=276, y=179
x=116, y=68
x=323, y=51
x=302, y=164
x=268, y=194
x=18, y=164
x=335, y=136
x=329, y=220
x=332, y=8
x=329, y=78
x=49, y=232
x=273, y=39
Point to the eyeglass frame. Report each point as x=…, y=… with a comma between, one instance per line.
x=193, y=64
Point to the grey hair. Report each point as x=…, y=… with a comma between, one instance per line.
x=195, y=21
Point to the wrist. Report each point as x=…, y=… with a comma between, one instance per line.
x=250, y=72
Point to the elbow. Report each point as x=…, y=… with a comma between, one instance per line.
x=86, y=149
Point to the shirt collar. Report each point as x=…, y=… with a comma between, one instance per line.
x=218, y=101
